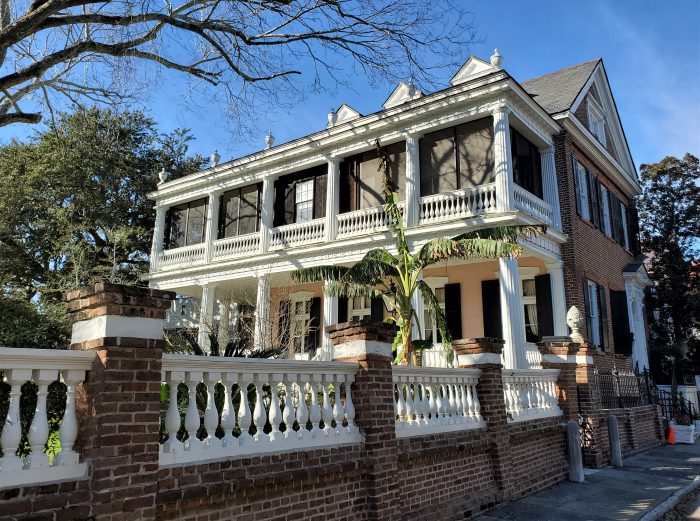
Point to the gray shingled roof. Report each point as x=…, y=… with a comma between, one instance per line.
x=556, y=92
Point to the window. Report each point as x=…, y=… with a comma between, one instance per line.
x=431, y=332
x=304, y=201
x=596, y=120
x=301, y=321
x=529, y=301
x=359, y=308
x=527, y=166
x=618, y=218
x=240, y=211
x=605, y=210
x=592, y=313
x=581, y=182
x=186, y=224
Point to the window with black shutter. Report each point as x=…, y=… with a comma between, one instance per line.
x=527, y=167
x=377, y=309
x=291, y=193
x=603, y=307
x=491, y=305
x=186, y=224
x=633, y=223
x=622, y=336
x=594, y=190
x=240, y=211
x=343, y=310
x=545, y=318
x=313, y=336
x=453, y=309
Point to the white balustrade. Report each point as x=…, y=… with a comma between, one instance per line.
x=42, y=368
x=533, y=205
x=364, y=222
x=435, y=357
x=432, y=400
x=533, y=356
x=530, y=394
x=458, y=204
x=297, y=234
x=238, y=246
x=268, y=406
x=181, y=257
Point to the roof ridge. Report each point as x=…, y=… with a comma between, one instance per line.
x=558, y=71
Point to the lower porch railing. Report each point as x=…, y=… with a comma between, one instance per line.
x=253, y=406
x=430, y=400
x=530, y=394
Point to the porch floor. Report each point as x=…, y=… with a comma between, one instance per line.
x=646, y=481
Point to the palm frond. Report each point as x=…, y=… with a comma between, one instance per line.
x=350, y=290
x=504, y=233
x=442, y=249
x=368, y=271
x=318, y=273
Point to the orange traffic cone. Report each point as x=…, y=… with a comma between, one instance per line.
x=671, y=438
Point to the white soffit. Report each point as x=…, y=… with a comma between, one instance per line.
x=402, y=93
x=473, y=68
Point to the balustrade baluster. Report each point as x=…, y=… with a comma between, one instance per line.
x=315, y=410
x=228, y=413
x=192, y=420
x=349, y=406
x=401, y=403
x=69, y=424
x=327, y=411
x=275, y=410
x=337, y=404
x=245, y=417
x=302, y=409
x=259, y=413
x=470, y=402
x=172, y=417
x=459, y=413
x=211, y=415
x=425, y=406
x=12, y=431
x=289, y=414
x=432, y=402
x=39, y=428
x=410, y=406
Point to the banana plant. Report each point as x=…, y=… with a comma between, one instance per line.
x=395, y=274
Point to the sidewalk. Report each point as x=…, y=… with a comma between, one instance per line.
x=627, y=493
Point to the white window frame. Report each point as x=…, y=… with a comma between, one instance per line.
x=524, y=301
x=434, y=283
x=623, y=213
x=592, y=289
x=605, y=203
x=582, y=195
x=596, y=121
x=304, y=195
x=362, y=312
x=299, y=320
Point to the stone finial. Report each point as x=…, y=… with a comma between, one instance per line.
x=269, y=140
x=163, y=175
x=332, y=118
x=496, y=59
x=214, y=158
x=575, y=320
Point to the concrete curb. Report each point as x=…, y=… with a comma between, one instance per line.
x=661, y=509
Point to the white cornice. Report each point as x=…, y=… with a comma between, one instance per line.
x=591, y=146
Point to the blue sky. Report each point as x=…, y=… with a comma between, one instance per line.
x=651, y=51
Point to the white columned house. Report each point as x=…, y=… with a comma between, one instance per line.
x=266, y=213
x=206, y=316
x=635, y=282
x=412, y=210
x=211, y=227
x=512, y=318
x=556, y=280
x=503, y=163
x=550, y=187
x=262, y=312
x=330, y=317
x=332, y=198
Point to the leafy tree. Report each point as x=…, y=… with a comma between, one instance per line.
x=396, y=277
x=670, y=218
x=74, y=209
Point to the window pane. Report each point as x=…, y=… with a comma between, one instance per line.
x=305, y=191
x=475, y=144
x=529, y=288
x=196, y=219
x=440, y=295
x=304, y=212
x=230, y=204
x=437, y=162
x=178, y=226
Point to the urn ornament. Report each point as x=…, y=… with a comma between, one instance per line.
x=575, y=320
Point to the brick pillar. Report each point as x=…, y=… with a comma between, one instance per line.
x=369, y=344
x=119, y=403
x=485, y=354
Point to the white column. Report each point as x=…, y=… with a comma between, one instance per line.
x=206, y=316
x=512, y=315
x=224, y=323
x=502, y=160
x=635, y=310
x=330, y=317
x=212, y=227
x=419, y=307
x=556, y=283
x=266, y=213
x=158, y=236
x=332, y=198
x=550, y=188
x=262, y=312
x=412, y=215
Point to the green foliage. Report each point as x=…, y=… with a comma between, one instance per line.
x=670, y=217
x=396, y=277
x=74, y=210
x=24, y=324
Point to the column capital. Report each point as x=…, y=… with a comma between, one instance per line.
x=501, y=107
x=556, y=264
x=412, y=134
x=332, y=157
x=549, y=149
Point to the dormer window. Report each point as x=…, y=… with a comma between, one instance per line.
x=596, y=121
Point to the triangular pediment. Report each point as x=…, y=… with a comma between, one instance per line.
x=472, y=68
x=402, y=93
x=596, y=96
x=346, y=113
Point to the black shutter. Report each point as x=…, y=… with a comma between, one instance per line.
x=545, y=317
x=342, y=309
x=284, y=324
x=320, y=194
x=633, y=231
x=622, y=337
x=576, y=188
x=616, y=218
x=289, y=203
x=491, y=302
x=603, y=310
x=587, y=303
x=167, y=241
x=280, y=194
x=377, y=310
x=221, y=218
x=595, y=206
x=453, y=309
x=313, y=335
